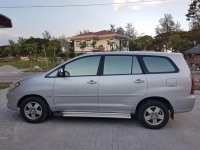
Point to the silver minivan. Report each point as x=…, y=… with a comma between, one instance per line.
x=152, y=86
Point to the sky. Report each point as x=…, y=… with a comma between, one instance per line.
x=68, y=21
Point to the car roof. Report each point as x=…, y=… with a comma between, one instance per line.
x=132, y=53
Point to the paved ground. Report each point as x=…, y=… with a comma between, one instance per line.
x=183, y=133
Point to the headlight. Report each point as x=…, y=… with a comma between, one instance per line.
x=13, y=86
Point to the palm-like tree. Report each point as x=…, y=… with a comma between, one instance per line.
x=44, y=47
x=111, y=44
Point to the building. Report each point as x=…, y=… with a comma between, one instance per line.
x=100, y=41
x=193, y=55
x=5, y=22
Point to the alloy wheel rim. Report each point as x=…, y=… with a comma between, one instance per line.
x=33, y=110
x=154, y=115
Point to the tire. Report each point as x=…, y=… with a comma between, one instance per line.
x=153, y=115
x=34, y=110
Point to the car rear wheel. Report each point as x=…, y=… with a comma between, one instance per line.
x=34, y=110
x=153, y=114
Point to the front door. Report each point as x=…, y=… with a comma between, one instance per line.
x=77, y=91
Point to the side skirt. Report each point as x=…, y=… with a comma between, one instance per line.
x=94, y=114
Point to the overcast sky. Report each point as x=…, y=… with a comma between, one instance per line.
x=68, y=21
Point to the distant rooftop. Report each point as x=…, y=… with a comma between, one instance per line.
x=194, y=50
x=99, y=35
x=103, y=32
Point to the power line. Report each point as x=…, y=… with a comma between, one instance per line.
x=80, y=5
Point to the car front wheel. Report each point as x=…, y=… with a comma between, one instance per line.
x=34, y=110
x=153, y=114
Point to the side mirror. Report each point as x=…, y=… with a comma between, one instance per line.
x=61, y=72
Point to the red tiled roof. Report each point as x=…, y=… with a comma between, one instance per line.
x=103, y=32
x=100, y=35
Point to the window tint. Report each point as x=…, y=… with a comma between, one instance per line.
x=83, y=67
x=136, y=66
x=116, y=65
x=158, y=65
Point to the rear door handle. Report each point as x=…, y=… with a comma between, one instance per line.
x=139, y=81
x=91, y=82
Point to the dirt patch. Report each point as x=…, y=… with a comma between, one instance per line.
x=9, y=70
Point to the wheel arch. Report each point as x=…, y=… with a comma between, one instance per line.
x=33, y=95
x=160, y=99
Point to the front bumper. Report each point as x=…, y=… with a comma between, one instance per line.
x=12, y=101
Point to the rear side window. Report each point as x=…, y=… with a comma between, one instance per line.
x=159, y=64
x=117, y=65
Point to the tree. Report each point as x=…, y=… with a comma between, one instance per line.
x=112, y=27
x=5, y=51
x=44, y=47
x=21, y=40
x=179, y=44
x=111, y=44
x=144, y=43
x=94, y=42
x=193, y=14
x=46, y=35
x=167, y=25
x=14, y=49
x=130, y=31
x=83, y=44
x=84, y=32
x=30, y=48
x=160, y=41
x=53, y=48
x=120, y=30
x=65, y=45
x=11, y=42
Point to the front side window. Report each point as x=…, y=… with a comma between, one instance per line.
x=117, y=65
x=158, y=64
x=87, y=66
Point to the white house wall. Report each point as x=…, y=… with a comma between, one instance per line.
x=98, y=42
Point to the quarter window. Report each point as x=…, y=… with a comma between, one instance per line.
x=53, y=74
x=86, y=66
x=117, y=65
x=158, y=64
x=136, y=66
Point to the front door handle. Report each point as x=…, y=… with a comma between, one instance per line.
x=139, y=81
x=91, y=82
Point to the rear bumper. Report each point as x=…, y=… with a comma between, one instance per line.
x=185, y=104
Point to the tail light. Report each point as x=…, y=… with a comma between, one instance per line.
x=192, y=85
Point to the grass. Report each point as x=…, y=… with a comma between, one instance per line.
x=27, y=64
x=4, y=85
x=197, y=87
